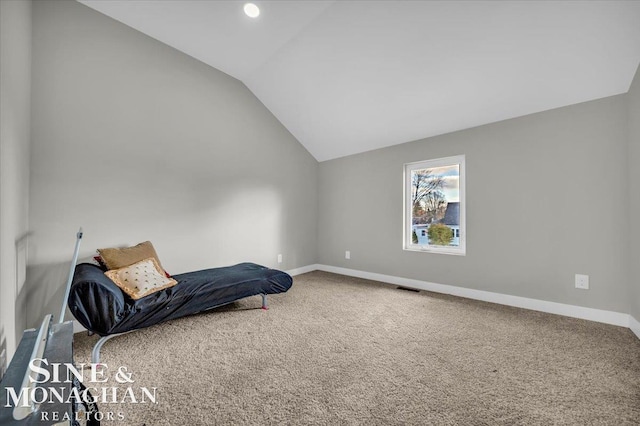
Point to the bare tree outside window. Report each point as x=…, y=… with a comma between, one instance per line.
x=427, y=196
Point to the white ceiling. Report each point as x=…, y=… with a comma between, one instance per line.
x=350, y=76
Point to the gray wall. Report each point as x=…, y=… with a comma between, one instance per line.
x=15, y=106
x=634, y=194
x=546, y=198
x=136, y=141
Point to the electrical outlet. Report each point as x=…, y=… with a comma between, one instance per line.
x=347, y=254
x=279, y=258
x=582, y=281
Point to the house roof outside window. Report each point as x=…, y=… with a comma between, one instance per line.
x=452, y=215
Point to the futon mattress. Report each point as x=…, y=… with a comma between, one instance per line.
x=101, y=307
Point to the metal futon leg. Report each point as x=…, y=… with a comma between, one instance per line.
x=95, y=353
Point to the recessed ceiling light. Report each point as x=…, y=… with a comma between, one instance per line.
x=251, y=10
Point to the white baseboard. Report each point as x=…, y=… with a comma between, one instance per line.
x=598, y=315
x=302, y=270
x=634, y=325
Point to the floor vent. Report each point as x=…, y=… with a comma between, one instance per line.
x=415, y=290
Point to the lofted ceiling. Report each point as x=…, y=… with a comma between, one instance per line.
x=350, y=76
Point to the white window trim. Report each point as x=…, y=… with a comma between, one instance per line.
x=461, y=250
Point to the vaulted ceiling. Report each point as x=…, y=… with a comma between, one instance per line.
x=350, y=76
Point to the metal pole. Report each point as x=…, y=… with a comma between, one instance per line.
x=72, y=269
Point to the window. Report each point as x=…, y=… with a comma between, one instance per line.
x=434, y=206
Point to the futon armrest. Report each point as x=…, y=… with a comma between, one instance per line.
x=96, y=302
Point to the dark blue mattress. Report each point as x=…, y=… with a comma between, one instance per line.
x=101, y=307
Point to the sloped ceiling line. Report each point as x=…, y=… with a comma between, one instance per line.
x=350, y=76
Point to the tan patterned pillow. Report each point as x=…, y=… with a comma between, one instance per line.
x=116, y=258
x=141, y=279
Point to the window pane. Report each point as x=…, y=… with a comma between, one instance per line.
x=435, y=206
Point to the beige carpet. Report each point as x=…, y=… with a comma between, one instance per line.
x=342, y=351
